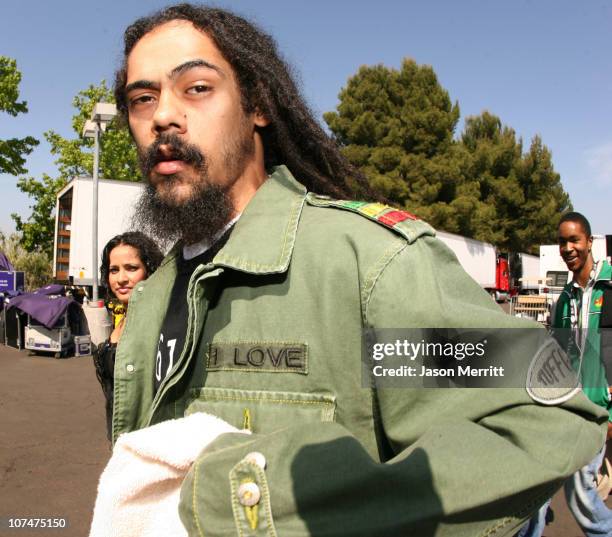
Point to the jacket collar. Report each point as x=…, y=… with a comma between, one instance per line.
x=602, y=272
x=262, y=240
x=605, y=271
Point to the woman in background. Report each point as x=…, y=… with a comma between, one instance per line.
x=126, y=260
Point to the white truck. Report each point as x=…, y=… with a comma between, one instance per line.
x=500, y=274
x=72, y=255
x=478, y=259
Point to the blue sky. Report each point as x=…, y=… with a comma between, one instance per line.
x=544, y=67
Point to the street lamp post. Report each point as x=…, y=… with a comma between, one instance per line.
x=102, y=114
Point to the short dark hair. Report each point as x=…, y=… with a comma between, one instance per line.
x=293, y=137
x=148, y=252
x=579, y=218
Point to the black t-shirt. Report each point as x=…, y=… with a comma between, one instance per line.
x=174, y=328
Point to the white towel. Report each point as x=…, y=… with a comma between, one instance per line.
x=138, y=492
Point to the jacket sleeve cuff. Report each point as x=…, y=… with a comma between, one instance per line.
x=226, y=491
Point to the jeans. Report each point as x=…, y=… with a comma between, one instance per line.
x=536, y=524
x=589, y=510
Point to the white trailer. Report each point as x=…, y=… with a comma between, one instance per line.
x=72, y=255
x=554, y=273
x=553, y=270
x=478, y=259
x=529, y=273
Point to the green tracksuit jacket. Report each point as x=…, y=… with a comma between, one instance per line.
x=589, y=362
x=274, y=343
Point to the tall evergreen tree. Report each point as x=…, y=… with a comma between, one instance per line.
x=397, y=126
x=522, y=194
x=545, y=199
x=493, y=152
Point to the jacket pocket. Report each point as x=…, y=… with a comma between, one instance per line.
x=262, y=411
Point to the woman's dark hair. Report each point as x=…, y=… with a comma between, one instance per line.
x=148, y=252
x=578, y=218
x=293, y=137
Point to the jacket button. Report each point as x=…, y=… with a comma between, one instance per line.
x=249, y=494
x=130, y=368
x=256, y=458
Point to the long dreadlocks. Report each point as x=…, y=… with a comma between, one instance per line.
x=293, y=137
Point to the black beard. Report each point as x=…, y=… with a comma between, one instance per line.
x=200, y=217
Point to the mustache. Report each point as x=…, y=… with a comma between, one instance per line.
x=179, y=150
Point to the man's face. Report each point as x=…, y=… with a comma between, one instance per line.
x=185, y=114
x=574, y=245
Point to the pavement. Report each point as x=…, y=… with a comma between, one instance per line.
x=53, y=445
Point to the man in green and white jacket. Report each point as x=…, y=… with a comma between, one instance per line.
x=577, y=322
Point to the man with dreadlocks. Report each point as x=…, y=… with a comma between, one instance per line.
x=257, y=315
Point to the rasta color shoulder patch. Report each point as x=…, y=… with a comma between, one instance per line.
x=405, y=223
x=377, y=211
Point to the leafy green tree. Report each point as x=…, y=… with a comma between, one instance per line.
x=37, y=232
x=493, y=154
x=397, y=126
x=118, y=160
x=13, y=150
x=545, y=198
x=36, y=265
x=520, y=195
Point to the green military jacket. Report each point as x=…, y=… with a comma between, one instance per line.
x=274, y=345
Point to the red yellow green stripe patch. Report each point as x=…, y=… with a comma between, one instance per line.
x=384, y=214
x=395, y=217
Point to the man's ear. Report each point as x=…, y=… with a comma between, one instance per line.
x=260, y=119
